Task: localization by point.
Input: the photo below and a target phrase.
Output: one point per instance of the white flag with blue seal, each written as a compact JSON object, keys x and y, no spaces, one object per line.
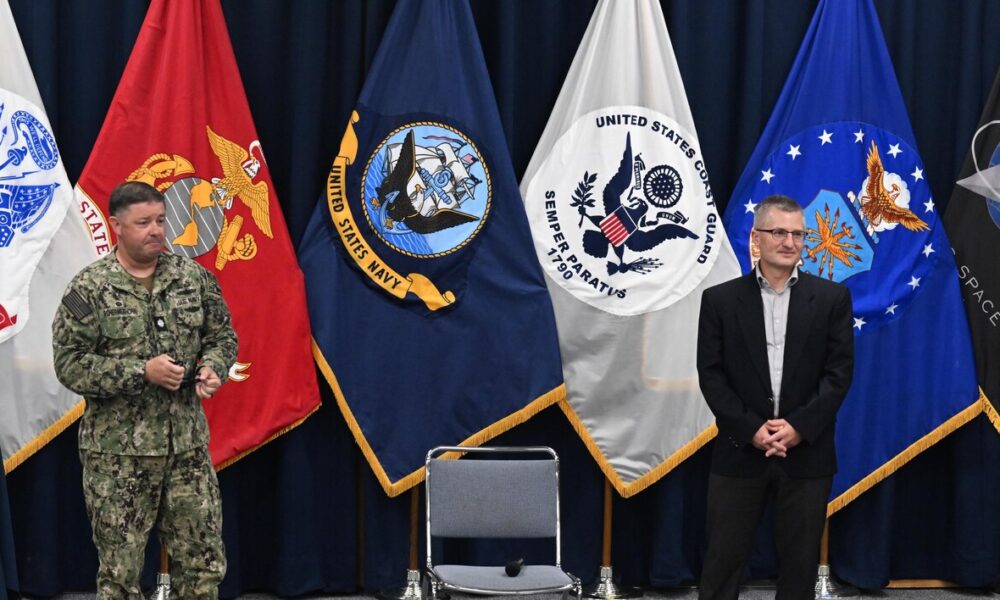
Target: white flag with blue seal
{"x":839,"y":141}
{"x":42,"y":245}
{"x":627,"y":232}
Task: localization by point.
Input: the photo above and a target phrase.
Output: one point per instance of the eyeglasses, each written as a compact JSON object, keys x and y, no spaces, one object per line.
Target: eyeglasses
{"x":780,"y":234}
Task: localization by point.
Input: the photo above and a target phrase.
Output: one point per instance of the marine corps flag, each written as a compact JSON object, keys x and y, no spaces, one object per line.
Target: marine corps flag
{"x":180,"y":121}
{"x":430,"y":318}
{"x":626,"y":229}
{"x":839,"y":141}
{"x":42,"y":245}
{"x":973,"y":224}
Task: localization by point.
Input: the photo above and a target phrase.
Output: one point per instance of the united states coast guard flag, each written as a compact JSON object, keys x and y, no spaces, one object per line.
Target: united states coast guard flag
{"x":839,"y":141}
{"x":42,"y":245}
{"x":430,"y":318}
{"x":627,"y":231}
{"x":180,"y":121}
{"x":973,"y":224}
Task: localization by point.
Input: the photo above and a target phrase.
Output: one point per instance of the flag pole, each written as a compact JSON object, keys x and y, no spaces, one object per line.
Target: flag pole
{"x":826,"y":587}
{"x":605,"y":586}
{"x":162,"y":591}
{"x":413,"y":590}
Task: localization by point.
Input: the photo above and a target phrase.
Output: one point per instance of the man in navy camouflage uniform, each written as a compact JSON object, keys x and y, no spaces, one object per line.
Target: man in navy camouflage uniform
{"x":145,"y":336}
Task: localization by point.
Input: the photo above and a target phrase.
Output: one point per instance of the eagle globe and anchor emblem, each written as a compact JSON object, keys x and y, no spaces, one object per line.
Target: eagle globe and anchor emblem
{"x":196,"y":208}
{"x":197,"y":220}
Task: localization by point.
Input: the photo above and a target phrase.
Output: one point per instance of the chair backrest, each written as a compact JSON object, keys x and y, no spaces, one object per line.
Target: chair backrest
{"x":502,"y":496}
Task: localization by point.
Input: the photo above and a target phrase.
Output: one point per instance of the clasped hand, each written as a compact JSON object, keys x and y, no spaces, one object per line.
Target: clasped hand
{"x":776,"y":437}
{"x":163,"y":371}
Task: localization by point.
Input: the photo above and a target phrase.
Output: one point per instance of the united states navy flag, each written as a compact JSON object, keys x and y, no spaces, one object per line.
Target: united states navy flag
{"x":430,"y":317}
{"x":839,"y":141}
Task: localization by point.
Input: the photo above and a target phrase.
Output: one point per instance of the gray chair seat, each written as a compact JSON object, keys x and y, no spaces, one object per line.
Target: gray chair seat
{"x":532,"y":578}
{"x":509,"y":493}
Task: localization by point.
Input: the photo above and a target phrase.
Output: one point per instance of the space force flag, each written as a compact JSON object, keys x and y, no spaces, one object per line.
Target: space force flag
{"x":973,"y":224}
{"x":42,"y":245}
{"x":628,"y":234}
{"x":180,"y":121}
{"x":430,"y":318}
{"x":839,"y":141}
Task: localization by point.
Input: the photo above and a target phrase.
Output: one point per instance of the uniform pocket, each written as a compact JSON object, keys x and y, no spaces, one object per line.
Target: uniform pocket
{"x":191,"y":317}
{"x":118,"y":328}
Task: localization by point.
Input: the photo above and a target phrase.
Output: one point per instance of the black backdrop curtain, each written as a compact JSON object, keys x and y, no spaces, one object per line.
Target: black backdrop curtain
{"x":304,"y":513}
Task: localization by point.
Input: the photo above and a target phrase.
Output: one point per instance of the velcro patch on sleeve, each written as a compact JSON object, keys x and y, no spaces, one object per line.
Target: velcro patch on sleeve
{"x":76,"y":305}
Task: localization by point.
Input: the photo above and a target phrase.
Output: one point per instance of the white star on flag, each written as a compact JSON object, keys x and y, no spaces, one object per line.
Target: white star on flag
{"x":825,"y":138}
{"x":793,"y":151}
{"x":929,"y":205}
{"x":914,"y":282}
{"x":891,"y":309}
{"x":766,"y":175}
{"x":859,"y":322}
{"x":894,"y":150}
{"x":917,"y":174}
{"x":928,"y":250}
{"x":859,"y":136}
{"x":749,"y":206}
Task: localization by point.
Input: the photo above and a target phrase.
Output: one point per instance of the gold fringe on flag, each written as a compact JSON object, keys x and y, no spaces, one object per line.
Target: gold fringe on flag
{"x":44,"y":437}
{"x":627,"y":490}
{"x":906,"y":455}
{"x":990,"y":411}
{"x":276,"y":435}
{"x":393,"y":489}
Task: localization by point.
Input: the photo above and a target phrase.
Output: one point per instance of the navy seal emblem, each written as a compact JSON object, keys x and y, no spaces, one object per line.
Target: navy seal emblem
{"x":426,"y":190}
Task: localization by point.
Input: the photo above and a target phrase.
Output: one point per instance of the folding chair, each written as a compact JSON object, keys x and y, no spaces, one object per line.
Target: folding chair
{"x":495,"y":498}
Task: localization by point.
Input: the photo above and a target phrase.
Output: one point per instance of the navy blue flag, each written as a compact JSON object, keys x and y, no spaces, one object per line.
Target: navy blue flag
{"x":430,"y":317}
{"x":839,"y":141}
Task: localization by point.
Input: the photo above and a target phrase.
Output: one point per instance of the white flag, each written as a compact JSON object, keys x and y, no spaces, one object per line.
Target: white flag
{"x":628,"y":235}
{"x":42,"y":245}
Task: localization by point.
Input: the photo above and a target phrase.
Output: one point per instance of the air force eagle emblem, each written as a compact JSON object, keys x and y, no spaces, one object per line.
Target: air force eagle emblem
{"x":872,"y":217}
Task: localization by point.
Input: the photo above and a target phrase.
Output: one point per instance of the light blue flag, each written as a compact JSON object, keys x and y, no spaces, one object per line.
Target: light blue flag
{"x":839,"y":141}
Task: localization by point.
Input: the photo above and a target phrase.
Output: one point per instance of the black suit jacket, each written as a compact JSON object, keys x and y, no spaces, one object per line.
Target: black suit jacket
{"x":735,"y":379}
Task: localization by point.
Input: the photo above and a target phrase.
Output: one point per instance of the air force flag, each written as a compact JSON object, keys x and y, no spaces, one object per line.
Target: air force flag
{"x":840,"y":143}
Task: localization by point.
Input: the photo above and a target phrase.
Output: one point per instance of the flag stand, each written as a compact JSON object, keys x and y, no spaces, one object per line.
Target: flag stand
{"x":413,"y":590}
{"x":605,"y":586}
{"x":826,"y":587}
{"x":162,"y":591}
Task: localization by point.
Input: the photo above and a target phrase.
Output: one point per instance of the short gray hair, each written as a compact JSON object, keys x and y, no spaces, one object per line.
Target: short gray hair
{"x":774,"y":202}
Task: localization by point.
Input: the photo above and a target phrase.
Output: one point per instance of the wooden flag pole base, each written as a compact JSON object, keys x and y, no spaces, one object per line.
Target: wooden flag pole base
{"x":605,"y":586}
{"x":826,"y":587}
{"x":414,"y":589}
{"x":162,"y":591}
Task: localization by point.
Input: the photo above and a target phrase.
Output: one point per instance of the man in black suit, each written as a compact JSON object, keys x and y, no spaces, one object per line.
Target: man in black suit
{"x":775,"y":360}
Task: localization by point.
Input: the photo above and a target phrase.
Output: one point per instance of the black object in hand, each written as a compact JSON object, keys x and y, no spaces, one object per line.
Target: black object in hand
{"x":514,"y":567}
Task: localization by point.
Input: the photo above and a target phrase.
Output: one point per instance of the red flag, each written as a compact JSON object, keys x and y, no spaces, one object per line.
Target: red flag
{"x":180,"y":121}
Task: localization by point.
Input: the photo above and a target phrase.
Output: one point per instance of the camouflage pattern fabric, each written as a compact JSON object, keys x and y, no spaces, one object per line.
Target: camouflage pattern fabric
{"x":179,"y":494}
{"x":108,"y":326}
{"x":145,"y":448}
